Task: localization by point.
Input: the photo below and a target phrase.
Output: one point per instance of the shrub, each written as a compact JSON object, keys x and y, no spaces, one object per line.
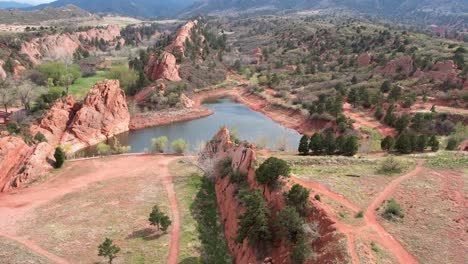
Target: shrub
{"x":390,"y":165}
{"x":393,"y":210}
{"x":103,"y":149}
{"x":290,"y":224}
{"x":271,"y":170}
{"x":39,"y":137}
{"x":403,"y":144}
{"x":159,"y":144}
{"x":300,"y":252}
{"x":13,"y":128}
{"x":350,"y":146}
{"x":434,"y":143}
{"x":179,"y":146}
{"x":59,"y":156}
{"x":298,"y":196}
{"x":359,"y":214}
{"x":317,"y":197}
{"x":387,"y":143}
{"x":452,"y":144}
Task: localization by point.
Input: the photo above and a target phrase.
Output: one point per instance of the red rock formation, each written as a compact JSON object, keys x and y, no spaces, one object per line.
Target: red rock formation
{"x":63,"y":45}
{"x":186,"y":102}
{"x":13,"y":154}
{"x":178,"y":45}
{"x":2,"y":71}
{"x":364,"y":59}
{"x":400,"y":65}
{"x":104,"y":113}
{"x":259,"y":55}
{"x":163,"y":67}
{"x":326,"y":247}
{"x":55,"y":121}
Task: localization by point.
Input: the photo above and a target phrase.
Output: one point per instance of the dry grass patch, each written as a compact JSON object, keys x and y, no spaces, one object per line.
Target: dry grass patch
{"x":14,"y":253}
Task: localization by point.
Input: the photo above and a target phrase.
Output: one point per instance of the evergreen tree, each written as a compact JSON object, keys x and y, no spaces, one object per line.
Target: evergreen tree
{"x":329,"y":143}
{"x":159,"y":219}
{"x":434,"y":143}
{"x":300,"y":252}
{"x":402,"y":123}
{"x":387,"y":143}
{"x":60,"y":157}
{"x":304,"y":145}
{"x":351,"y":146}
{"x":354,"y":80}
{"x":403,"y":144}
{"x":316,"y":143}
{"x":378,"y":113}
{"x":395,"y":93}
{"x":340,"y":142}
{"x":353,"y":97}
{"x":421,"y":143}
{"x":9,"y":66}
{"x":298,"y":197}
{"x":271,"y":170}
{"x":390,"y":116}
{"x":253,"y":223}
{"x":290,"y":224}
{"x":107,"y":249}
{"x":385,"y":87}
{"x":452,"y":144}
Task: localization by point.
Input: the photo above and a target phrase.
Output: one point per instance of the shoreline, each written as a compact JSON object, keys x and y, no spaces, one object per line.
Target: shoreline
{"x":286,"y":117}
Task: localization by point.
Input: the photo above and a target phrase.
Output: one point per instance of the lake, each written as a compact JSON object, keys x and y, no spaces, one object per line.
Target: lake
{"x":241,"y":120}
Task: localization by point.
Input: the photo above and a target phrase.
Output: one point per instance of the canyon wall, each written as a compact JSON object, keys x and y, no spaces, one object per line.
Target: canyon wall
{"x":326,"y":242}
{"x":61,"y":46}
{"x":103,"y":114}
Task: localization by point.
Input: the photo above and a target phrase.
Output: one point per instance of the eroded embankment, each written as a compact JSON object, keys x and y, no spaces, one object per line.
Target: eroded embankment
{"x":324,"y":241}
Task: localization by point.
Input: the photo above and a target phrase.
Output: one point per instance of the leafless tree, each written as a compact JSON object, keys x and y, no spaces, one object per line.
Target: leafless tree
{"x":8,"y":95}
{"x":28,"y":92}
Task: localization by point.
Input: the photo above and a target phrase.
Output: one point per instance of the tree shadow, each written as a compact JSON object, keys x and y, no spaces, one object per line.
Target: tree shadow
{"x":146,"y":234}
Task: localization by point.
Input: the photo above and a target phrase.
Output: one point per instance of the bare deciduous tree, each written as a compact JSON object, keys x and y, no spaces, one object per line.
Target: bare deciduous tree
{"x":28,"y":92}
{"x":8,"y":95}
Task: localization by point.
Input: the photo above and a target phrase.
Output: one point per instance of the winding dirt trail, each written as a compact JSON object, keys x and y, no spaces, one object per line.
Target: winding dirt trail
{"x":16,"y":205}
{"x":352,"y":232}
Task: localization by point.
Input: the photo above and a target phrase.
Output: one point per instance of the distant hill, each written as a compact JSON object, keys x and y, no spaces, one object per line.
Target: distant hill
{"x":392,"y":9}
{"x":137,"y":8}
{"x":17,"y":16}
{"x":12,"y":4}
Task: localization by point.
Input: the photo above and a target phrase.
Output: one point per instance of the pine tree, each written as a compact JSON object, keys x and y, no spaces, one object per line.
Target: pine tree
{"x":378,"y":113}
{"x":353,"y":97}
{"x":60,"y":157}
{"x":290,"y":224}
{"x":316,"y":143}
{"x":304,"y":145}
{"x":107,"y":249}
{"x":421,"y":143}
{"x":402,"y":123}
{"x":403,"y":144}
{"x":351,"y":146}
{"x":387,"y":143}
{"x":298,"y":197}
{"x":434,"y":143}
{"x":271,"y":170}
{"x":329,"y":143}
{"x":253,"y":223}
{"x":390,"y":116}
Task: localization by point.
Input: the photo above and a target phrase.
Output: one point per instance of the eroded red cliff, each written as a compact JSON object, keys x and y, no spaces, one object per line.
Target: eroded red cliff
{"x":326,"y":244}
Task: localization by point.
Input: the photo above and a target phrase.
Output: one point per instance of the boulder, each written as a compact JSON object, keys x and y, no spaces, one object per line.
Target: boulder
{"x":3,"y":74}
{"x":163,"y":67}
{"x":186,"y":102}
{"x":104,"y":114}
{"x":259,"y":55}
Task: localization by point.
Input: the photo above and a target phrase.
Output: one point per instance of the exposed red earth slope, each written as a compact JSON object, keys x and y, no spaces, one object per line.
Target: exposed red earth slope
{"x":326,"y":246}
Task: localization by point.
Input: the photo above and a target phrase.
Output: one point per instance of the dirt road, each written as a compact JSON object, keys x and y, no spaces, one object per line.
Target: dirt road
{"x":370,"y":221}
{"x":16,"y":205}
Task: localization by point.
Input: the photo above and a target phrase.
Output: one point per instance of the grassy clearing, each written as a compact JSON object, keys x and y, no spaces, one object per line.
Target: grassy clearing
{"x":202,"y":238}
{"x":14,"y":253}
{"x":447,"y":160}
{"x":358,"y":180}
{"x":374,"y":139}
{"x":75,"y":224}
{"x":82,"y":85}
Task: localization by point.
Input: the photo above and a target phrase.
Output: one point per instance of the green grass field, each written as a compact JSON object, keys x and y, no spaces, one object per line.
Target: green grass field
{"x":82,"y":85}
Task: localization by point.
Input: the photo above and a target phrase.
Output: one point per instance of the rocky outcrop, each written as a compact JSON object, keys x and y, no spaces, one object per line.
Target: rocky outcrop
{"x":2,"y":71}
{"x":55,"y":122}
{"x":186,"y":102}
{"x":13,"y":154}
{"x":103,"y":114}
{"x":259,"y":55}
{"x":63,"y":45}
{"x":326,"y":245}
{"x":402,"y":65}
{"x":163,"y":67}
{"x":364,"y":59}
{"x":178,"y":45}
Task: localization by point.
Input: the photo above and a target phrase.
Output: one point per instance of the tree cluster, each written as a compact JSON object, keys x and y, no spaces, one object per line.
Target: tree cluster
{"x":328,"y":144}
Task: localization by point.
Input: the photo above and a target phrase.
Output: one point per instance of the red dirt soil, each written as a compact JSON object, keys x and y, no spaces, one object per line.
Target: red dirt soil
{"x":370,"y":219}
{"x":361,"y":121}
{"x":16,"y":205}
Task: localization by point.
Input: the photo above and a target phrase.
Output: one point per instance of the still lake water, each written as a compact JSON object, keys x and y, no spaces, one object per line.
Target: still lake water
{"x":248,"y":124}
